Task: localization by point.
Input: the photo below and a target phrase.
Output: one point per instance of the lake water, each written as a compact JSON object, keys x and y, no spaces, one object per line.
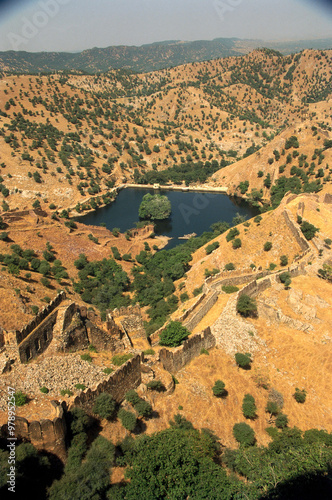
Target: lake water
{"x":192,"y":212}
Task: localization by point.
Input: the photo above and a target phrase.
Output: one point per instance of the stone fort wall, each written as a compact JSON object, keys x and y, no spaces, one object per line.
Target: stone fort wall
{"x":174,"y":360}
{"x":127,"y":377}
{"x":295,"y":231}
{"x":46,"y":434}
{"x":202,"y":311}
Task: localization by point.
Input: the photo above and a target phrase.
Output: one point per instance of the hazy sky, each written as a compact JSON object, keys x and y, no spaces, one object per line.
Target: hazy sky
{"x":74,"y":25}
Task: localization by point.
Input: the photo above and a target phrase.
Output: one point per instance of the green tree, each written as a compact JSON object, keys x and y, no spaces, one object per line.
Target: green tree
{"x":219,"y":388}
{"x":177,"y":464}
{"x":283,"y":260}
{"x":20,"y":398}
{"x":267,"y":246}
{"x":300,"y":395}
{"x":246,"y":306}
{"x":309,"y":230}
{"x":155,"y":207}
{"x":281,"y":421}
{"x":237,"y":243}
{"x":132,"y":397}
{"x":174,"y":334}
{"x":285,"y":278}
{"x":155,"y":385}
{"x":143,"y":408}
{"x":248,"y":406}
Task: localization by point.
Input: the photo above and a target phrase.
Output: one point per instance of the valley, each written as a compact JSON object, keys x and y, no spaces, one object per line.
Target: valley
{"x":85,"y":308}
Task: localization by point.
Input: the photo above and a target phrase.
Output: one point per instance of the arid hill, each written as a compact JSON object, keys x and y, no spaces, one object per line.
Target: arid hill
{"x":68,"y":138}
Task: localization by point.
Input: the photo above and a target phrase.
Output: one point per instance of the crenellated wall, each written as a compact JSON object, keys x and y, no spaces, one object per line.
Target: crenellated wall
{"x":174,"y":360}
{"x":127,"y":377}
{"x":46,"y":434}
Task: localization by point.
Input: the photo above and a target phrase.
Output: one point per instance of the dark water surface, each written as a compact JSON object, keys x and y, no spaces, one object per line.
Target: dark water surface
{"x":192,"y":212}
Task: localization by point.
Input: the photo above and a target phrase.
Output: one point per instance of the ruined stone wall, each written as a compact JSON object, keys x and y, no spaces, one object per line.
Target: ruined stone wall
{"x":203,"y":310}
{"x":26,"y":330}
{"x":192,"y":322}
{"x":127,"y":377}
{"x":49,"y":435}
{"x":73,"y":339}
{"x":103,"y":341}
{"x":174,"y":360}
{"x":38,"y":341}
{"x":126,"y":311}
{"x":296,"y":233}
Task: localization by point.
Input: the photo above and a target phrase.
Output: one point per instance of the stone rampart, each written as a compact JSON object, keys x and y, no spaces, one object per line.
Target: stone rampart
{"x":203,"y":310}
{"x":128,"y":376}
{"x":255,"y":287}
{"x":174,"y":360}
{"x":296,"y":233}
{"x":26,"y":330}
{"x":192,"y":307}
{"x":46,"y":434}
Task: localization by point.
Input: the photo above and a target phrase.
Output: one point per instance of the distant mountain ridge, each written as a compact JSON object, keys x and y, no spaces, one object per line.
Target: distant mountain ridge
{"x":145,"y":58}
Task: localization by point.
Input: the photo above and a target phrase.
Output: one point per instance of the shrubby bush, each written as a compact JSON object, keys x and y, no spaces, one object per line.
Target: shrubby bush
{"x":128,"y":419}
{"x":104,"y":406}
{"x":243,"y":360}
{"x":219,"y":388}
{"x":300,"y":395}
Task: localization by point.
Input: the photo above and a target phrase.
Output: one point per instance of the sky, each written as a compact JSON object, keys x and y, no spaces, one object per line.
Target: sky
{"x":75,"y":25}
